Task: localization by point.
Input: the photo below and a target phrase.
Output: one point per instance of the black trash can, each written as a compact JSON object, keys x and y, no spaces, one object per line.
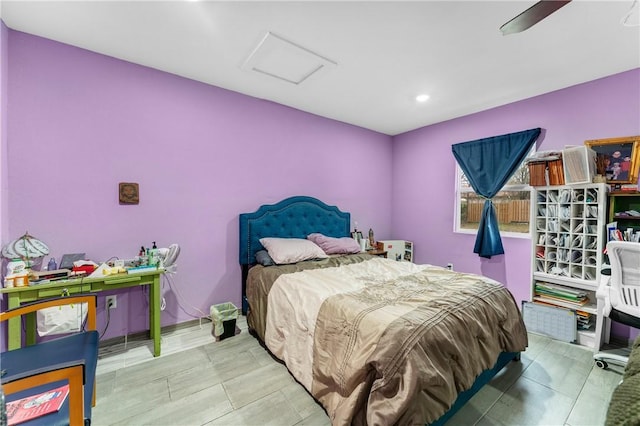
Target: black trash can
{"x":224,"y":317}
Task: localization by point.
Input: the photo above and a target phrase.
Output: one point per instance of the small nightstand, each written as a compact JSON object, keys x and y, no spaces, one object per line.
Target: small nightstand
{"x":376,"y":252}
{"x":397,"y":249}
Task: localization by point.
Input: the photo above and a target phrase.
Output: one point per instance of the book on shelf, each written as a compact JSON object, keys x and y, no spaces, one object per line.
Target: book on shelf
{"x":624,"y":187}
{"x":31,"y":407}
{"x":550,"y":301}
{"x":539,"y":301}
{"x":585,"y":320}
{"x":552,"y":295}
{"x":560,"y":292}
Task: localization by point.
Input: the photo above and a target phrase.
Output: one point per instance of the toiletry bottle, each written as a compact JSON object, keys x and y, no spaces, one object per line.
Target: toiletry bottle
{"x":153,"y":255}
{"x":142,"y":257}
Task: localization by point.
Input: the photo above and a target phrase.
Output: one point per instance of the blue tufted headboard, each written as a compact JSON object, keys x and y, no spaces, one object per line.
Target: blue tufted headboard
{"x":294,"y":217}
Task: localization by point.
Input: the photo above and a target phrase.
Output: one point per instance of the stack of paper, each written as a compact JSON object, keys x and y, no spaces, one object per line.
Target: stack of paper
{"x":551,"y":294}
{"x":585,"y":320}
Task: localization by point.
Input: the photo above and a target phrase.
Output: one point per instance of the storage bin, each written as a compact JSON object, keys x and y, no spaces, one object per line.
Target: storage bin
{"x":538,"y":173}
{"x":545,"y":173}
{"x":224,"y":317}
{"x":579,"y":164}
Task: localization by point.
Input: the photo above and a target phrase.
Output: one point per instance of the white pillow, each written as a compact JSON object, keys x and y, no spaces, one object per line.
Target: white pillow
{"x":291,"y":250}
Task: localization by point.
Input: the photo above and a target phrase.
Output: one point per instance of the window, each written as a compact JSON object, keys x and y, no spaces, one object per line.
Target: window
{"x":511,"y":204}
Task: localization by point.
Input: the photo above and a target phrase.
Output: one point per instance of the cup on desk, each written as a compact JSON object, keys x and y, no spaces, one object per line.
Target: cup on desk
{"x":16,"y":281}
{"x":21,"y":280}
{"x":8,"y":282}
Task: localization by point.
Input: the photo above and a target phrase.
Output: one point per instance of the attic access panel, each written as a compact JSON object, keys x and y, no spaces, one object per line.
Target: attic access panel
{"x":285,"y":60}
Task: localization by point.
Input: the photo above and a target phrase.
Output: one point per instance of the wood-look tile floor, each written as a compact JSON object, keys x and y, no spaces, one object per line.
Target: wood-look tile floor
{"x":198,"y":381}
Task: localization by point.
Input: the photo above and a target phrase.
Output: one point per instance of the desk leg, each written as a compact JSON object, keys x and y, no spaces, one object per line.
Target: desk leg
{"x":154,"y":314}
{"x":14,"y":331}
{"x":31,"y":326}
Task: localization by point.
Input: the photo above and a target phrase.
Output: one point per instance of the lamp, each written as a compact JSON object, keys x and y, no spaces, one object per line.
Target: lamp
{"x":27,"y":248}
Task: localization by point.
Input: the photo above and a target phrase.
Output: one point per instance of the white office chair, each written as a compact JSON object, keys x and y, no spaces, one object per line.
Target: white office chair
{"x":619,"y":294}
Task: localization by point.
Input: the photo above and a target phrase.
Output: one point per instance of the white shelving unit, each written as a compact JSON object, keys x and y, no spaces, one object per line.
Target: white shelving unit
{"x":568,"y":241}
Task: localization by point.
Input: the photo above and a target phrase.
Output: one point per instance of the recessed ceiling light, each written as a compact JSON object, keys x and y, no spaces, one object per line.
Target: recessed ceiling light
{"x":422,"y":98}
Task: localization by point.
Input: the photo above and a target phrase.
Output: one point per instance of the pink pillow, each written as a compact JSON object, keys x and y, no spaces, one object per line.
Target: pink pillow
{"x":330,"y":245}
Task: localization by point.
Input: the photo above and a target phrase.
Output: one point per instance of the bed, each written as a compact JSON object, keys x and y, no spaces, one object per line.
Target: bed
{"x":373,"y":340}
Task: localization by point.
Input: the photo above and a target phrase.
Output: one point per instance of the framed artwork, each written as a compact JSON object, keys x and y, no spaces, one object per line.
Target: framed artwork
{"x":357,"y":235}
{"x":128,"y":193}
{"x":618,"y":159}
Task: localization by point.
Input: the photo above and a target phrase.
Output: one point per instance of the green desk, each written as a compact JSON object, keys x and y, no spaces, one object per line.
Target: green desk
{"x":19,"y":295}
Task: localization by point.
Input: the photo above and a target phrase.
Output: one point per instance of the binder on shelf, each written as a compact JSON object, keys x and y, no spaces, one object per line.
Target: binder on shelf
{"x":550,"y":301}
{"x":560,"y":292}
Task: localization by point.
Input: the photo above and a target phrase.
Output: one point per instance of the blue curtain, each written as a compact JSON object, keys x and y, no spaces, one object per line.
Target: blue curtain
{"x":488,"y":165}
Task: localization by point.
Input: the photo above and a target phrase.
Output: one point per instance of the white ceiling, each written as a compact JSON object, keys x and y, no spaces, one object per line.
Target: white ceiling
{"x":377,"y":55}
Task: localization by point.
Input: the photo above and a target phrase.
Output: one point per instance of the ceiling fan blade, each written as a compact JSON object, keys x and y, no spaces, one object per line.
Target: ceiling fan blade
{"x":532,"y":16}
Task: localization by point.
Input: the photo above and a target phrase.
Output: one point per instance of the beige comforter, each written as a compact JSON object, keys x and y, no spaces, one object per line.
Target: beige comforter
{"x":381,"y":342}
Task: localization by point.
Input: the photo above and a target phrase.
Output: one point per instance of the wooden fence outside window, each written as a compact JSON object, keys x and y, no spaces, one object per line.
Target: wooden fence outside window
{"x":508,"y":211}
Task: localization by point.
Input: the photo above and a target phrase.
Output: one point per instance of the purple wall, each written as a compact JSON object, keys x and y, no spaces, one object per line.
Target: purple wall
{"x":424,"y":178}
{"x":4,"y":184}
{"x":4,"y":54}
{"x":82,"y":122}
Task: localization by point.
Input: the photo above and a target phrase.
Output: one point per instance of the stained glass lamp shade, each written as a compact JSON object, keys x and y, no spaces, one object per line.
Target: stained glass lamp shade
{"x":27,"y":248}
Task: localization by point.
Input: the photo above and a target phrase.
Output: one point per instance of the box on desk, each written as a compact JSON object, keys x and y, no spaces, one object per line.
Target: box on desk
{"x":38,"y":276}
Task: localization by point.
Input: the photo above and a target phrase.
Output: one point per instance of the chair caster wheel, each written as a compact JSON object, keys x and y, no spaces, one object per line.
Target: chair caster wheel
{"x":602,"y":364}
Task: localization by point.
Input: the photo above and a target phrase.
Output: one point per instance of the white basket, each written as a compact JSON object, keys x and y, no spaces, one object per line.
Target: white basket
{"x":579,"y":164}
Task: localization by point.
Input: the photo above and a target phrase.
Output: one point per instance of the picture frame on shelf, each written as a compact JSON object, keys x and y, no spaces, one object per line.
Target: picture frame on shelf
{"x":617,"y":158}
